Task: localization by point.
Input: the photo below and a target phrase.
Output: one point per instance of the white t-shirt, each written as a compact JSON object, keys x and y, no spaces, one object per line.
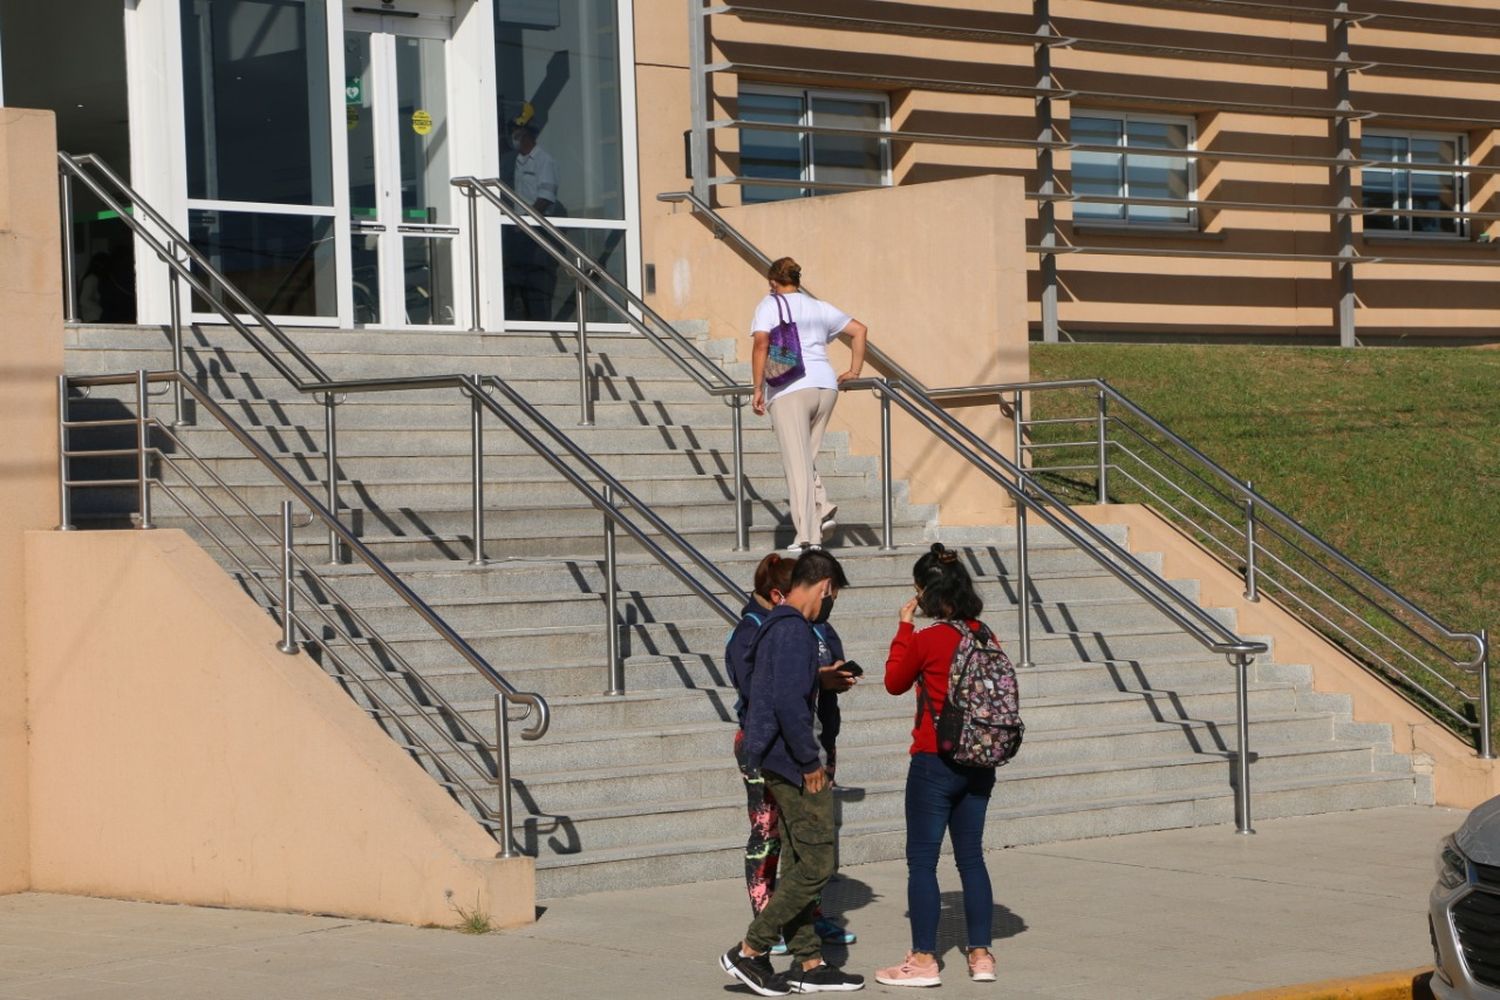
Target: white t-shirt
{"x":817,"y":324}
{"x":536,"y":176}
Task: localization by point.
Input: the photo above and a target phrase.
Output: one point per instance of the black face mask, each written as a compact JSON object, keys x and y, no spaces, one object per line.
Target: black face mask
{"x":824,"y":610}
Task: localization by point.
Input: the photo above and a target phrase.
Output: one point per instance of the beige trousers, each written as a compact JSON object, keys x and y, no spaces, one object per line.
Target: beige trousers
{"x":800,"y":418}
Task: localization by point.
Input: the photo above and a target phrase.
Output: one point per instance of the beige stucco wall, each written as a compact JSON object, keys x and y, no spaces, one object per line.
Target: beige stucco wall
{"x":1460,"y":778}
{"x":31,"y":358}
{"x":176,"y":755}
{"x":937,"y":272}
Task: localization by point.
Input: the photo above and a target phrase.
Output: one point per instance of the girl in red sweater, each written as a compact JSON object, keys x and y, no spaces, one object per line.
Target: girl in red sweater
{"x":940,"y":795}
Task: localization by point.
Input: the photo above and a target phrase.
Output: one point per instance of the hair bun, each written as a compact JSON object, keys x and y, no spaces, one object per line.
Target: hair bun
{"x":944,"y":554}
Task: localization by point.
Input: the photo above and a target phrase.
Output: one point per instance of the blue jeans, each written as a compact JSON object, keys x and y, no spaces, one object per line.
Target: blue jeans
{"x":943,"y":796}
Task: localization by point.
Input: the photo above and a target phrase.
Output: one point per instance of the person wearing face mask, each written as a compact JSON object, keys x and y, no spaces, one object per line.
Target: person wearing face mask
{"x":763,"y":847}
{"x":780,"y":681}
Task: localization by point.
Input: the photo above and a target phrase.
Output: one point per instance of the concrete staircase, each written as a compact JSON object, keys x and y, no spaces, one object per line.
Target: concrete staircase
{"x":1130,"y":723}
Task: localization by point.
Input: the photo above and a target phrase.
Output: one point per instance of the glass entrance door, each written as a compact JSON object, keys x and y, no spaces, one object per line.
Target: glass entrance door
{"x":401,"y":202}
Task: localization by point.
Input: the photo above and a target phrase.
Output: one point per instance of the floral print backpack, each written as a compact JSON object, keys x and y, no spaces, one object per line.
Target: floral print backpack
{"x":980,"y":724}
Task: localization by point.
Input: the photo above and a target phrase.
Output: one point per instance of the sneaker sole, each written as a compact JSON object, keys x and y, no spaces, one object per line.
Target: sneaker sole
{"x":909,"y":982}
{"x":734,"y":971}
{"x":827,"y":989}
{"x":982,"y":977}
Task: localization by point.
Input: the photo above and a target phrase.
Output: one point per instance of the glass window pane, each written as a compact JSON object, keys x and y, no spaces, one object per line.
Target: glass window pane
{"x":79,"y":75}
{"x":776,"y":155}
{"x":1383,"y":147}
{"x":1444,"y":151}
{"x":848,"y":159}
{"x":1158,"y":177}
{"x":1380,"y":190}
{"x":538,"y":288}
{"x":284,"y":263}
{"x":359,"y":115}
{"x":561,"y":59}
{"x":429,"y":280}
{"x":1158,"y":135}
{"x":1434,"y":192}
{"x":1098,"y":174}
{"x":364,"y":267}
{"x":255,"y":83}
{"x":422,"y":130}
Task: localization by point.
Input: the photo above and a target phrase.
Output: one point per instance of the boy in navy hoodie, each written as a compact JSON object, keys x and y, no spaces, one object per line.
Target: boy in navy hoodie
{"x":781,"y":744}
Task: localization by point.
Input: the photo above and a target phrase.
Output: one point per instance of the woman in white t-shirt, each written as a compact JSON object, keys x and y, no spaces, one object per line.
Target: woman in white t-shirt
{"x":800,"y":409}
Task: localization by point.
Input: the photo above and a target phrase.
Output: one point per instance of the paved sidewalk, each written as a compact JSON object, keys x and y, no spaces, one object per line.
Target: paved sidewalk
{"x":1181,"y":914}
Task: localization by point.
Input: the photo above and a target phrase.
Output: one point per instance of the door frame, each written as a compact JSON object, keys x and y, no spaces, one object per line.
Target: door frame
{"x":384,"y":28}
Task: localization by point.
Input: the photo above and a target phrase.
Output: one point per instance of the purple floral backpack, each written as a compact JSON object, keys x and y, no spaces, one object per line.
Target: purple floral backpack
{"x":980,"y":724}
{"x":784,"y":362}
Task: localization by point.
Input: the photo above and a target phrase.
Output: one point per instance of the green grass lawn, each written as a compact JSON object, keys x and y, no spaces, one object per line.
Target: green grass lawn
{"x":1392,"y":455}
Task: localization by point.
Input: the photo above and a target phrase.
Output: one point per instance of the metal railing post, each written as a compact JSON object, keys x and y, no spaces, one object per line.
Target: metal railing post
{"x":476,"y":457}
{"x":1486,"y":749}
{"x":65,"y":208}
{"x":612,"y":601}
{"x":1241,"y":663}
{"x":698,"y":88}
{"x":174,"y":298}
{"x":585,"y":397}
{"x":887,"y":513}
{"x":64,"y":498}
{"x":502,"y":775}
{"x":1252,"y":586}
{"x":1103,"y":447}
{"x":737,"y":425}
{"x":143,"y":447}
{"x":475,"y":326}
{"x":331,"y":455}
{"x":288,"y":643}
{"x":1023,"y":570}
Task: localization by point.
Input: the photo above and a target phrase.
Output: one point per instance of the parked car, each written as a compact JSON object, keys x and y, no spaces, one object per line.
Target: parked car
{"x":1464,"y":910}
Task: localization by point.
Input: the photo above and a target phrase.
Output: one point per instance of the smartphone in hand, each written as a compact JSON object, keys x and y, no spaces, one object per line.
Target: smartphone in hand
{"x":852,"y":668}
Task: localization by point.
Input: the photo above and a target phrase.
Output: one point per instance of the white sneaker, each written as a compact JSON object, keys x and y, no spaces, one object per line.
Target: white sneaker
{"x":796,"y":548}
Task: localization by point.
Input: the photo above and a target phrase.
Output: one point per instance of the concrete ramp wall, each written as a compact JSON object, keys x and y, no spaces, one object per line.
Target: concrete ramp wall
{"x":177,"y":755}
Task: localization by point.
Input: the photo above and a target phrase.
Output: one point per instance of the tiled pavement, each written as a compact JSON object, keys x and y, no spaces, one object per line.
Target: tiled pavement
{"x":1178,"y":914}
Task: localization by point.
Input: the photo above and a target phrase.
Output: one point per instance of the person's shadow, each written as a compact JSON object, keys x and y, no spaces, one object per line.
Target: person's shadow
{"x":953,"y":930}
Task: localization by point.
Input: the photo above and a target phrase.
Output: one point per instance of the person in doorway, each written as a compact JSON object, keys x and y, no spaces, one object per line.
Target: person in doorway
{"x":781,"y":746}
{"x":940,"y":794}
{"x":531,"y":277}
{"x":763,"y":848}
{"x":800,"y":409}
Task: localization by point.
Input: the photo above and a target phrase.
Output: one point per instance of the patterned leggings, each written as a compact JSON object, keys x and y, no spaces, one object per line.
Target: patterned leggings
{"x":763,"y":849}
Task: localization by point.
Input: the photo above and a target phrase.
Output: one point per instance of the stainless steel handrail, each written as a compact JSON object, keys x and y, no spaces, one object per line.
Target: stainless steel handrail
{"x":536,"y":704}
{"x":723,"y":230}
{"x":1264,"y":510}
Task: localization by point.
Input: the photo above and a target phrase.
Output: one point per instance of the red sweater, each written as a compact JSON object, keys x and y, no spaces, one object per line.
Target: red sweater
{"x":927,"y":655}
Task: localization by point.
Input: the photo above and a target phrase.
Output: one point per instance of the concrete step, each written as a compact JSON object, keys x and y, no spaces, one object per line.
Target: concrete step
{"x":580,"y":640}
{"x":680,"y":861}
{"x":569,"y":517}
{"x":459,"y":682}
{"x":618,"y":359}
{"x":871,"y":602}
{"x":395,"y":345}
{"x":629,"y":820}
{"x":879,"y":715}
{"x":1058,"y":568}
{"x":711,"y":740}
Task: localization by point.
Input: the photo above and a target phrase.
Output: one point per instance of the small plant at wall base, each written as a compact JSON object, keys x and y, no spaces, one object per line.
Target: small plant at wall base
{"x":475,"y":921}
{"x":1390,"y":454}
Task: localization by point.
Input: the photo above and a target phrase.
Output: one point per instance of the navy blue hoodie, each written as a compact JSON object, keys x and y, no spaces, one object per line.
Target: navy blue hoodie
{"x":783,"y":692}
{"x":737,"y":651}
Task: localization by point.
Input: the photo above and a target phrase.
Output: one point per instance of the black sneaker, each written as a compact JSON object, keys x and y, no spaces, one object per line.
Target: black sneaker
{"x":822,"y":979}
{"x":755,"y":973}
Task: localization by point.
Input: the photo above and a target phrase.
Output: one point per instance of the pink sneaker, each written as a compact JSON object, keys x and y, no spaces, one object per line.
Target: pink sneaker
{"x":982,"y":967}
{"x":917,"y":970}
